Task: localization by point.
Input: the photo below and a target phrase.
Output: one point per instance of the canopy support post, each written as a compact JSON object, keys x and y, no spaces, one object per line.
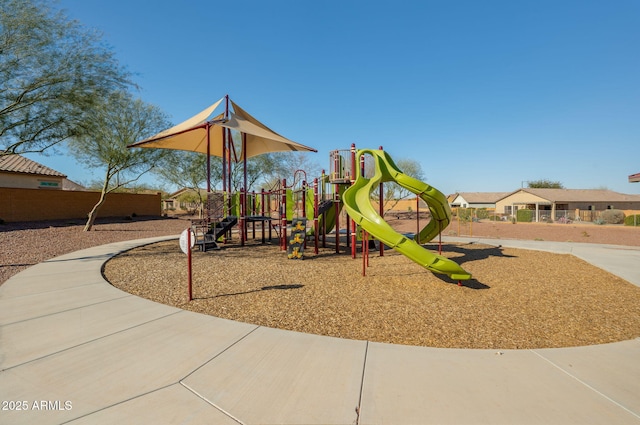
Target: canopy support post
{"x":246,"y":189}
{"x":208,"y":219}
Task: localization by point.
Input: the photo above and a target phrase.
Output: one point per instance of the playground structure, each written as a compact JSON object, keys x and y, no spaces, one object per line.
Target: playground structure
{"x":286,"y":209}
{"x":354,"y":175}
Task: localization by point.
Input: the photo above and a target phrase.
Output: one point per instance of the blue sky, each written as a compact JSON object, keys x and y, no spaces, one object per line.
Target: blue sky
{"x":485,"y":95}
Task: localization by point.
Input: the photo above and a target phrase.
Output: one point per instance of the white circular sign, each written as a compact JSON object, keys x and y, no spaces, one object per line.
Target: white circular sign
{"x":183,"y":240}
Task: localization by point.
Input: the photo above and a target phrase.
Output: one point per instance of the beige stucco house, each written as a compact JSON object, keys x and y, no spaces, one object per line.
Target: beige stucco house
{"x":16,"y":171}
{"x":477,"y":199}
{"x":569,"y":203}
{"x":179,"y":201}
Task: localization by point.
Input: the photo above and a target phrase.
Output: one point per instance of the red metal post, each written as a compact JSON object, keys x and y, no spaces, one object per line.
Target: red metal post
{"x":354,"y":240}
{"x":315,"y":214}
{"x":353,"y":223}
{"x":229,"y":171}
{"x":336,"y":202}
{"x":253,"y":197}
{"x":243,"y":208}
{"x":208,"y":174}
{"x":224,"y":168}
{"x":304,"y":206}
{"x":365,"y":235}
{"x":269,"y":209}
{"x":418,"y":219}
{"x":304,"y":198}
{"x":352,"y":179}
{"x":353,"y":162}
{"x":324,"y":221}
{"x":381,"y":210}
{"x":283,"y":217}
{"x":242,"y":216}
{"x":364,"y":259}
{"x":262,"y":213}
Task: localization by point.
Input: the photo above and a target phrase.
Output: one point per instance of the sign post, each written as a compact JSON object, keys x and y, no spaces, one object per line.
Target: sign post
{"x":187,"y":241}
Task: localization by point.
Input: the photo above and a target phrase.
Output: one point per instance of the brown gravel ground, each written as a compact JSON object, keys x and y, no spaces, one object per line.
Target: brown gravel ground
{"x":24,"y":244}
{"x":517,"y":299}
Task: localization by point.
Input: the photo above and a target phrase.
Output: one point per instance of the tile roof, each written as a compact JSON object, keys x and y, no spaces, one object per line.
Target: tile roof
{"x":483,"y":197}
{"x":581,"y":195}
{"x":19,"y":164}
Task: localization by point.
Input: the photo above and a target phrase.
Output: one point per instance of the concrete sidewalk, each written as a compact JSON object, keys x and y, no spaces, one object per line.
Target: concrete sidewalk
{"x":623,"y":261}
{"x":73,"y":349}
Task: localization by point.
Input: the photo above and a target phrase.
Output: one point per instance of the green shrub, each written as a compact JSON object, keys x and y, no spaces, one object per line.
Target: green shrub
{"x":598,"y":221}
{"x":524,"y":216}
{"x":612,"y":216}
{"x":464,"y":214}
{"x":482,"y":213}
{"x":632,"y":220}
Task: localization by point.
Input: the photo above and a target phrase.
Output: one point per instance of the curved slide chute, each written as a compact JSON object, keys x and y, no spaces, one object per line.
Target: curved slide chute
{"x":357,"y":202}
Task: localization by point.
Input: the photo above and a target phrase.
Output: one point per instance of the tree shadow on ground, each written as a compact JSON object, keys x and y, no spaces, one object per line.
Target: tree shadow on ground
{"x":264,"y":288}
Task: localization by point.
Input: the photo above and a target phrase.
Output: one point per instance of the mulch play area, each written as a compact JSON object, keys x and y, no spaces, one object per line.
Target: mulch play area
{"x":517,"y":299}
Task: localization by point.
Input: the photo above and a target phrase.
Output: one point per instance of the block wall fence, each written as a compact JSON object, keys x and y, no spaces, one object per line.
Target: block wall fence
{"x":39,"y":205}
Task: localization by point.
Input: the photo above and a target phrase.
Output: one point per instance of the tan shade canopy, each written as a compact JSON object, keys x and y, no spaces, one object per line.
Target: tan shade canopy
{"x":191,"y":135}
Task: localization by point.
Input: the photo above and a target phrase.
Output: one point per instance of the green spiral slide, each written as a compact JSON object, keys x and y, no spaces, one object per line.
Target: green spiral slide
{"x":357,"y":202}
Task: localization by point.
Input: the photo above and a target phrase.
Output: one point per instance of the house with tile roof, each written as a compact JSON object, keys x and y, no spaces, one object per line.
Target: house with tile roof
{"x":554,"y":204}
{"x":30,"y":191}
{"x":476,"y":199}
{"x":181,"y":202}
{"x":16,"y":171}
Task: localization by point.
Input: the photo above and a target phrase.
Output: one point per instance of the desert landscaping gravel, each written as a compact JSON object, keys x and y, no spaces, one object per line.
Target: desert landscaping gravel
{"x":25,"y":244}
{"x":516,"y":299}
